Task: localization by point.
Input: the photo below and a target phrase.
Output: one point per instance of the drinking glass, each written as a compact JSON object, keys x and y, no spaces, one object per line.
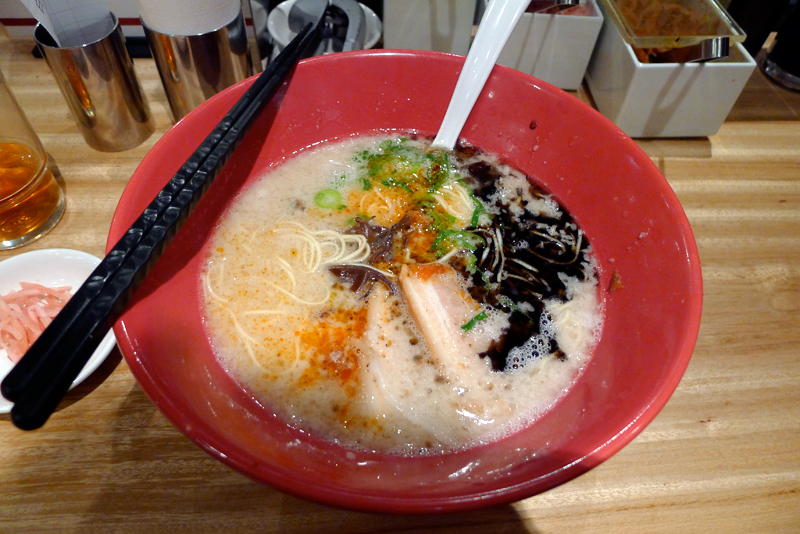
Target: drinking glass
{"x":31,"y":200}
{"x":782,"y":63}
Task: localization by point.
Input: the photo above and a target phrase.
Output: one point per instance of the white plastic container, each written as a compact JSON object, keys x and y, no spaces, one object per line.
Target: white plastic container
{"x":439,"y":25}
{"x":553,"y":48}
{"x":664,"y":99}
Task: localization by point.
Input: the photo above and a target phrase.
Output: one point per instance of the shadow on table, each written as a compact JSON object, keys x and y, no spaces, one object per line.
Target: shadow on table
{"x":93,"y":381}
{"x":156,"y":479}
{"x":675,"y":147}
{"x":763,"y":100}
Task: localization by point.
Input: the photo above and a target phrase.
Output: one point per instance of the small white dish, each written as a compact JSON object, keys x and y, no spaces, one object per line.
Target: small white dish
{"x":52,"y":268}
{"x":278,"y":27}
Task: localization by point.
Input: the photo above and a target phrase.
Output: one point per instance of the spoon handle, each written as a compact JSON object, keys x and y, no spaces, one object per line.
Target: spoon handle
{"x":498,"y":22}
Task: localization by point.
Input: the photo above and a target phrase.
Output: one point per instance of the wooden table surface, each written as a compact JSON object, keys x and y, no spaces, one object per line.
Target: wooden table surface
{"x":723,"y":456}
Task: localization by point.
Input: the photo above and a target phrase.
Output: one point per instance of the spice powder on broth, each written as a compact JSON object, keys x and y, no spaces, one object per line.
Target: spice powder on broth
{"x":392,"y":297}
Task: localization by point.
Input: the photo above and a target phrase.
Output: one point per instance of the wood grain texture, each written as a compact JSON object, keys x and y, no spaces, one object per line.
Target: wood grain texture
{"x":723,"y":456}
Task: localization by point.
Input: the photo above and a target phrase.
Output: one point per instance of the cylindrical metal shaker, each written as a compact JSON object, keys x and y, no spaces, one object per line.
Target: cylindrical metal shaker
{"x":196,"y":67}
{"x":101,"y":89}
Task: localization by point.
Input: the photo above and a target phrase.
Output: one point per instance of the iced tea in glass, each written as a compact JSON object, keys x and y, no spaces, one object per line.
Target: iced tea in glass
{"x":31,"y":200}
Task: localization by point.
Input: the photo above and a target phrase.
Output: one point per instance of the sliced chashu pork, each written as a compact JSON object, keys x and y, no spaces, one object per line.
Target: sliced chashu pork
{"x":392,"y":381}
{"x":446,"y":392}
{"x":440,"y":307}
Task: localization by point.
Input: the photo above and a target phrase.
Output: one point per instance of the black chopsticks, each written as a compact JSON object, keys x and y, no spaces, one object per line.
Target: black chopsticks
{"x":41,"y":379}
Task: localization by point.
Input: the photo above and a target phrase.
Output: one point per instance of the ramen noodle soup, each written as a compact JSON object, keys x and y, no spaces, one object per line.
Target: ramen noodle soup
{"x":392,"y":297}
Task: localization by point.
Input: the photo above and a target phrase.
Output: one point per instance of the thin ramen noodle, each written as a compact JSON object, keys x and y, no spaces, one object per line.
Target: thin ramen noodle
{"x":396,"y":298}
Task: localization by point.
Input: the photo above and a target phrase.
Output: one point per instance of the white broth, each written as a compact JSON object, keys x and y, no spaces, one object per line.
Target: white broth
{"x":401,"y":362}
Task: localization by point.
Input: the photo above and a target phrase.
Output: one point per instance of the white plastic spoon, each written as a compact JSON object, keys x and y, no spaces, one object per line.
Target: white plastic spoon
{"x":498,"y":22}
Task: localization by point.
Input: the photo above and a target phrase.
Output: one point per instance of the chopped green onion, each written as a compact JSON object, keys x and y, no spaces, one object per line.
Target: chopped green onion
{"x":391,"y":182}
{"x":328,"y":199}
{"x":441,"y":220}
{"x":505,"y":301}
{"x":482,"y":316}
{"x":367,"y":184}
{"x":352,"y":220}
{"x":439,"y":170}
{"x":479,"y":208}
{"x":460,"y":238}
{"x":472,"y":263}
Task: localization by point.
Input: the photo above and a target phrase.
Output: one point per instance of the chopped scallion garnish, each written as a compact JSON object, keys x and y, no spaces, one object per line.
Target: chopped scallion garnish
{"x":328,"y":199}
{"x":459,"y":238}
{"x":482,"y":316}
{"x":479,"y":207}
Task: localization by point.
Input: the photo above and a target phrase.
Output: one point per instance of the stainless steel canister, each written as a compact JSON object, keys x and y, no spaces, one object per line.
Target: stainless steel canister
{"x":196,"y":67}
{"x":99,"y":83}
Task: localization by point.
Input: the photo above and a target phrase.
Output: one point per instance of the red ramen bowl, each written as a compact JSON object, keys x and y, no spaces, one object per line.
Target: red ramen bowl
{"x":648,"y":270}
